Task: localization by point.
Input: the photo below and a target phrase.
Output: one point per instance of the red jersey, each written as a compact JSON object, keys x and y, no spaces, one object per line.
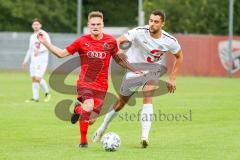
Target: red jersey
{"x":94,"y":58}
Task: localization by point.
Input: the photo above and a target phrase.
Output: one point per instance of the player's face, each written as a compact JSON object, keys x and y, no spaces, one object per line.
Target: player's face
{"x":36,"y":26}
{"x":95,"y":26}
{"x":155,"y":23}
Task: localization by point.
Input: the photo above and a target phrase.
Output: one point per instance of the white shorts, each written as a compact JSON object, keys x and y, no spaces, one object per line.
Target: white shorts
{"x":38,"y":70}
{"x":131,"y":81}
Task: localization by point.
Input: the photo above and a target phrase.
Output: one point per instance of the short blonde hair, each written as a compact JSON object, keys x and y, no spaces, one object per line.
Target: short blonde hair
{"x":95,"y":14}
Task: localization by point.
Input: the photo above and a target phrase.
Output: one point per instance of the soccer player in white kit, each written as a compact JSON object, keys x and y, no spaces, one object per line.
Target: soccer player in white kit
{"x":38,"y":55}
{"x":148,"y":44}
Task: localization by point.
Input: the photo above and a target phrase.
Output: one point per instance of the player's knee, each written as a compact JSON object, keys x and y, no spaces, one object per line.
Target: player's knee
{"x":88,"y":105}
{"x":91,"y":121}
{"x":36,"y":79}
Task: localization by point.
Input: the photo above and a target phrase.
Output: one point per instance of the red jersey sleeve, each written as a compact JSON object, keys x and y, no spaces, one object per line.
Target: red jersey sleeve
{"x":74,"y":47}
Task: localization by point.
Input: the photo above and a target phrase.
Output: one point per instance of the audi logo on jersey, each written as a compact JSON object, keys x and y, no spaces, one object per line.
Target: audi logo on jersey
{"x":95,"y":54}
{"x":155,"y":55}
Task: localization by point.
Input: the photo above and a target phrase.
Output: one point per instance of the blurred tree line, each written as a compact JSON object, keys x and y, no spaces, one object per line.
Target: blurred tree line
{"x":61,"y":15}
{"x":196,"y":16}
{"x":183,"y":16}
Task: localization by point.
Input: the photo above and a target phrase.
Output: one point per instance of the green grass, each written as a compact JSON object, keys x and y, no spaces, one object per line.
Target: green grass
{"x":32,"y":131}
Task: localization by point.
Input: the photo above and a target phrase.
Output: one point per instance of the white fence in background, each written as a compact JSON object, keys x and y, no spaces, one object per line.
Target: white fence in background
{"x":14,"y":45}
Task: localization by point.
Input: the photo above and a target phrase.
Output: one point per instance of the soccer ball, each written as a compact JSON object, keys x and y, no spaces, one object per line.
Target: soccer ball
{"x":110,"y":141}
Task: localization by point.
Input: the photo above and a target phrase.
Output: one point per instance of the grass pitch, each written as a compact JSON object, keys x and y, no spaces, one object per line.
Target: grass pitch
{"x":210,"y":129}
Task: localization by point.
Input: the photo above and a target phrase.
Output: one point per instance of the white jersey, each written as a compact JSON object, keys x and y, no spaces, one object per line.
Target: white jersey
{"x":37,"y":52}
{"x":146,"y":49}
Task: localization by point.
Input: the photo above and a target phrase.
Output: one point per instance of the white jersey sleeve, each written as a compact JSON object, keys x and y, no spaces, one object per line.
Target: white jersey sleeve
{"x":131,"y":34}
{"x":174,"y":47}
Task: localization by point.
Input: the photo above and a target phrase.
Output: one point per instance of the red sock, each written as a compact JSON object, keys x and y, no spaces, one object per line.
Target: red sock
{"x":83,"y":131}
{"x":84,"y":123}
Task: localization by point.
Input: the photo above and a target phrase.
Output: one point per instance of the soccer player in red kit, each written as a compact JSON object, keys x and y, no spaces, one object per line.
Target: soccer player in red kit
{"x":95,"y":50}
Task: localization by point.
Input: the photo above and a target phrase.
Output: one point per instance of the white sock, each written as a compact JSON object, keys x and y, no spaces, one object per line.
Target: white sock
{"x":35,"y":90}
{"x":108,"y":118}
{"x":44,"y":86}
{"x":146,"y":120}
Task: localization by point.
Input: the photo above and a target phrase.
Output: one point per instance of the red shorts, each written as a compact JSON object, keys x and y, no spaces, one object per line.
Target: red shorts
{"x":90,"y":93}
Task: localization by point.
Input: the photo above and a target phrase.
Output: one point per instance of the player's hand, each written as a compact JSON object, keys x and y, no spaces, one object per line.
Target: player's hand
{"x":41,"y":37}
{"x":171,"y":85}
{"x":140,"y":73}
{"x":24,"y":65}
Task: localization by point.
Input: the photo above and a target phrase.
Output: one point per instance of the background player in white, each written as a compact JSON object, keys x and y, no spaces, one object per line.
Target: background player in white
{"x":38,"y":55}
{"x":149,"y":44}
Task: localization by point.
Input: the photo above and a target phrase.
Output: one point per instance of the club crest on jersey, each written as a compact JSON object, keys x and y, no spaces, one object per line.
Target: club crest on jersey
{"x":95,"y":54}
{"x":37,"y":45}
{"x":109,"y":46}
{"x":155,"y":55}
{"x":230,"y":61}
{"x":105,"y":46}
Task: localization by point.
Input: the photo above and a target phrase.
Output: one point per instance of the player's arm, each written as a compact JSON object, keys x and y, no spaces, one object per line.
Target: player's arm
{"x":120,"y":58}
{"x":171,"y":84}
{"x":27,"y":56}
{"x":60,"y":53}
{"x":26,"y":59}
{"x":120,"y":42}
{"x":42,"y":47}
